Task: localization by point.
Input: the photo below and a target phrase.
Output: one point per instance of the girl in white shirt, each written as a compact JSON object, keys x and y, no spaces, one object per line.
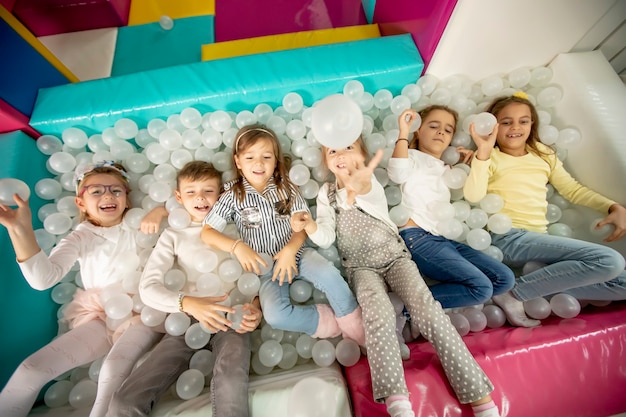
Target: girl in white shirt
{"x":102,"y":244}
{"x":353,"y":210}
{"x":464,"y":276}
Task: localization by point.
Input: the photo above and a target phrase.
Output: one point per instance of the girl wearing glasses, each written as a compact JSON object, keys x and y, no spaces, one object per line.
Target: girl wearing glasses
{"x":102,"y":244}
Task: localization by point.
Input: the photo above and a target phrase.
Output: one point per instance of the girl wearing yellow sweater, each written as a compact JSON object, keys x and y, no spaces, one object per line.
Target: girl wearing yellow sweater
{"x":513,"y":163}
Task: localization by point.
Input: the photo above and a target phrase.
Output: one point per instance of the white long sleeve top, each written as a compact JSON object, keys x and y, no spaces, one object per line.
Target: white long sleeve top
{"x":100,"y":251}
{"x":420,"y":177}
{"x":175,"y":249}
{"x":373,"y":203}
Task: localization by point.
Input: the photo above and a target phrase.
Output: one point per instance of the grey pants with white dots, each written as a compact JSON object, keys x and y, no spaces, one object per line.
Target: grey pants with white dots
{"x":376,"y":260}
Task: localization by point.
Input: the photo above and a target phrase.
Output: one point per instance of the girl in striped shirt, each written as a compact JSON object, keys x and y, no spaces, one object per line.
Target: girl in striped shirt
{"x":260,"y":202}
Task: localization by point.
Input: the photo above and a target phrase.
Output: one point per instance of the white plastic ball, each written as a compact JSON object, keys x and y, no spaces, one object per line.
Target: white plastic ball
{"x":126,"y":128}
{"x":74,"y":137}
{"x":190,"y":384}
{"x":336,"y":121}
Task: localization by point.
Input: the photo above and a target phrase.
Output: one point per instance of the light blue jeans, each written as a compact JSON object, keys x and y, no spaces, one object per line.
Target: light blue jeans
{"x":281,"y":313}
{"x":585,"y":270}
{"x":466,"y":276}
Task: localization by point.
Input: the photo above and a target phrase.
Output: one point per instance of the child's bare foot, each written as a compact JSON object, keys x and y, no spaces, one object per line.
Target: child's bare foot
{"x":514,"y":310}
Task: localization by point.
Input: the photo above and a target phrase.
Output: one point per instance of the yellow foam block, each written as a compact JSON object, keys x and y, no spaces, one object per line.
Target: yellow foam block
{"x":149,"y":11}
{"x":287,"y":41}
{"x":21,"y":30}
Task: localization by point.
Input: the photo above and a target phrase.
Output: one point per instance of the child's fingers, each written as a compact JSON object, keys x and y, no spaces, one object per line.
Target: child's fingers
{"x":378,"y":156}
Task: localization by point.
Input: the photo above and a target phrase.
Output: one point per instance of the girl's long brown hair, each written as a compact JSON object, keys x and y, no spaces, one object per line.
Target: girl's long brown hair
{"x":533,"y":138}
{"x":250,"y":135}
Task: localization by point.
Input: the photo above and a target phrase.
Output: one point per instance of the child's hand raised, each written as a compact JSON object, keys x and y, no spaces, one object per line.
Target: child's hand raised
{"x":358,"y":180}
{"x":19,"y":218}
{"x":484,"y":143}
{"x":405,"y":120}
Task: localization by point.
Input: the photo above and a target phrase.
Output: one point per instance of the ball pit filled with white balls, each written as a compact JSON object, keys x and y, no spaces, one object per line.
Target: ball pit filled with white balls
{"x":154,"y":153}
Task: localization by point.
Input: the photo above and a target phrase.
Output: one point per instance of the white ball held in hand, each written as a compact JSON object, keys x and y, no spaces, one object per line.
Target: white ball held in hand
{"x":484,"y":123}
{"x":10,"y":187}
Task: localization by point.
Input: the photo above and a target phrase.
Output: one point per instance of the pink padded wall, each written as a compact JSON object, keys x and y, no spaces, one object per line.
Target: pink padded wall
{"x":11,"y":120}
{"x":424,"y":19}
{"x":241,"y":19}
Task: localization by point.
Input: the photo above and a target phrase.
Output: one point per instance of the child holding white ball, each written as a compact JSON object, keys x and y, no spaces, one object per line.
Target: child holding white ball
{"x":353,"y":210}
{"x":261,"y":201}
{"x":101,"y":243}
{"x":513,"y":163}
{"x":198,"y":187}
{"x":465,"y":276}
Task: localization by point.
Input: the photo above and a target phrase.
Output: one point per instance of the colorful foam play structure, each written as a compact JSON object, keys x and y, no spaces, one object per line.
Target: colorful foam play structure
{"x":566,"y":367}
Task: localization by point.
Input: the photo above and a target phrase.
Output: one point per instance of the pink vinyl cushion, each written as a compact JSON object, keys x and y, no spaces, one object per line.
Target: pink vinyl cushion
{"x":565,"y":367}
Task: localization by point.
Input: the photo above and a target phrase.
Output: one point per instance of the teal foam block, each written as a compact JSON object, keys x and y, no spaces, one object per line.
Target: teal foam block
{"x":146,"y":47}
{"x":28,"y":317}
{"x":232,"y":84}
{"x":368,"y":7}
{"x":23,"y":71}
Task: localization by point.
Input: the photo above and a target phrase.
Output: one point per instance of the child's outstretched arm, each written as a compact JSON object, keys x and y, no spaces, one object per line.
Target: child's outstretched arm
{"x":616,"y":217}
{"x":247,"y":256}
{"x":19,"y":225}
{"x":475,"y":187}
{"x":401,"y":150}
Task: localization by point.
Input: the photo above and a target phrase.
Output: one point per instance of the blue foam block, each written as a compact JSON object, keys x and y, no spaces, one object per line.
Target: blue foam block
{"x":146,"y":47}
{"x":23,"y":71}
{"x":232,"y":84}
{"x":28,"y":316}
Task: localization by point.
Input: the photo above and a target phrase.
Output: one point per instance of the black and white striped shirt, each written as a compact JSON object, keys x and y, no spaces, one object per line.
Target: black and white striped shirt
{"x":274,"y":231}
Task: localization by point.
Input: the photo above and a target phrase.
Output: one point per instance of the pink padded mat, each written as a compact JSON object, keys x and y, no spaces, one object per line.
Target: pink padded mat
{"x":564,"y":368}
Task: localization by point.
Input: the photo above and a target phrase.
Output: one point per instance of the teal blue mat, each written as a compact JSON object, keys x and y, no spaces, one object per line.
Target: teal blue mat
{"x":147,"y":47}
{"x":28,"y":316}
{"x":233,"y":84}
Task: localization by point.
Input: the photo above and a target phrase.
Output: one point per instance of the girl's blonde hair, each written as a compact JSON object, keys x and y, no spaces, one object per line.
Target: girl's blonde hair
{"x":425,"y":112}
{"x":248,"y":136}
{"x":111,"y":168}
{"x":533,"y":140}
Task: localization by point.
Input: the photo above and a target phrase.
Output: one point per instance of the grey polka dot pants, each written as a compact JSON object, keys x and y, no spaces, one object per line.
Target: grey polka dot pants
{"x":376,"y":261}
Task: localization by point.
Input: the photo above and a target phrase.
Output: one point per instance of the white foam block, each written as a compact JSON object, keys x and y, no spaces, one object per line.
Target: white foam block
{"x":594,"y":101}
{"x":87,"y":54}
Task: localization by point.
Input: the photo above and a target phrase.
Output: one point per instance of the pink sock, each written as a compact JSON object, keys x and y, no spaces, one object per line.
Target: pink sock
{"x":486,"y":410}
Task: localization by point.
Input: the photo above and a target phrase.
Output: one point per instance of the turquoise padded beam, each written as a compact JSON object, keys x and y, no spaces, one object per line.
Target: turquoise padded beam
{"x":232,"y":84}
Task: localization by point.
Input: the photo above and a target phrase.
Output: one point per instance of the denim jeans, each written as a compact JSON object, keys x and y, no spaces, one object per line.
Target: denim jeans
{"x":585,"y":270}
{"x":229,"y":387}
{"x":466,"y":276}
{"x":281,"y":313}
